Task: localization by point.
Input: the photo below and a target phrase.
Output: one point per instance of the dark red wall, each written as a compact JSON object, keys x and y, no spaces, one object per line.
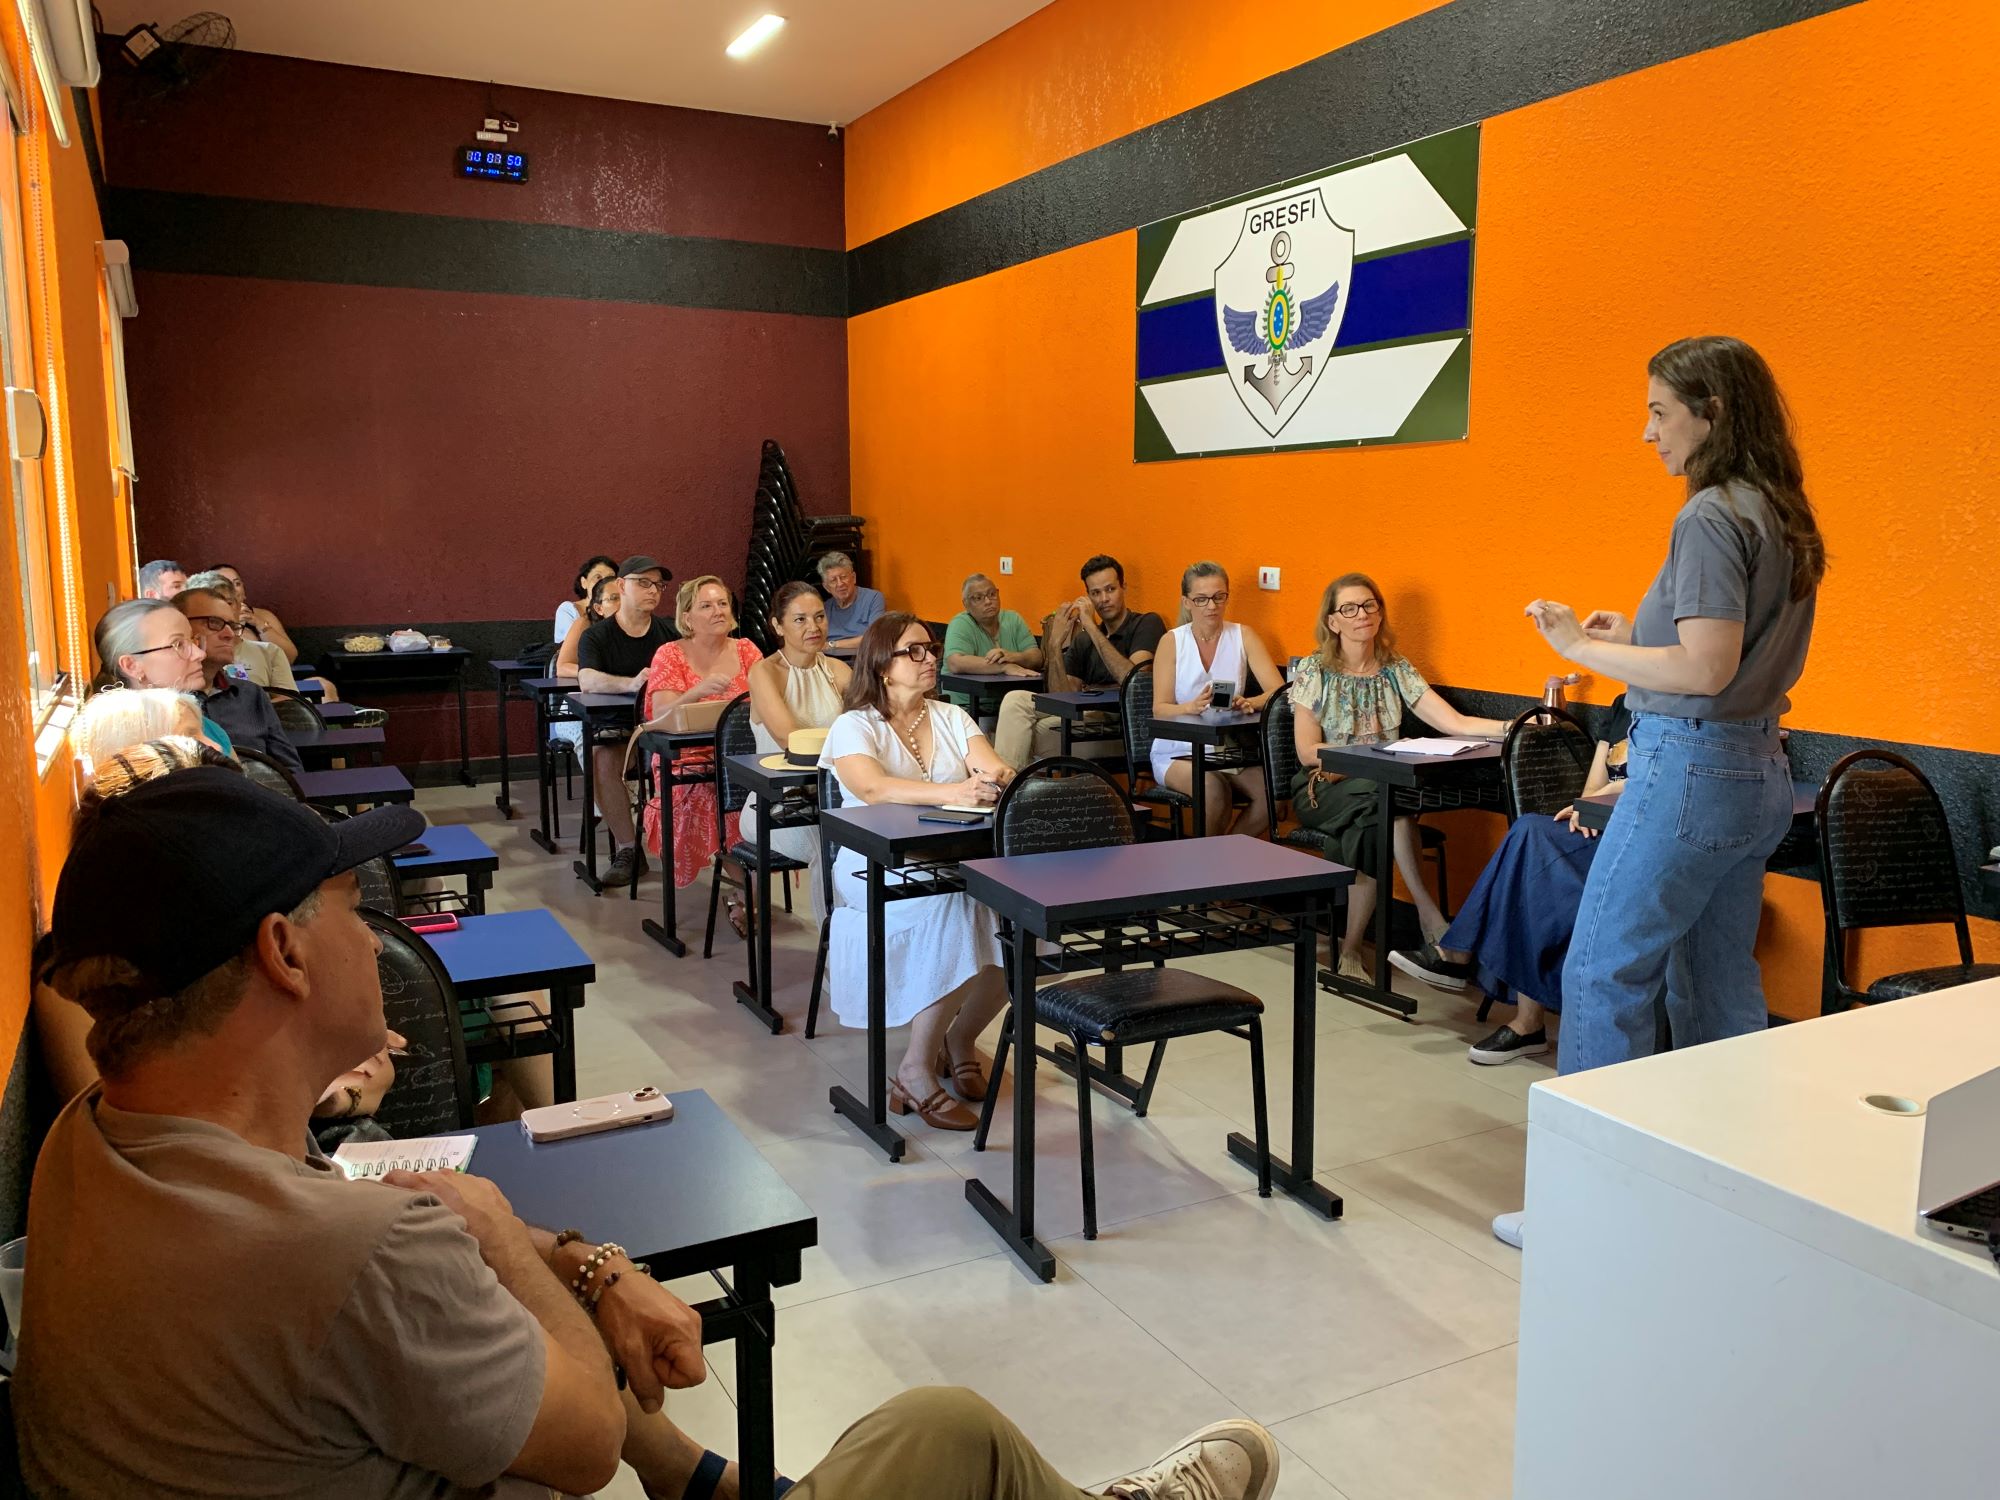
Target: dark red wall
{"x":381,"y":454}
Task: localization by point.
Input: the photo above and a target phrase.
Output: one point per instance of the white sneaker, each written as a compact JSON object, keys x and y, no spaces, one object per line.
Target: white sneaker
{"x":1230,"y":1461}
{"x":1507,"y":1227}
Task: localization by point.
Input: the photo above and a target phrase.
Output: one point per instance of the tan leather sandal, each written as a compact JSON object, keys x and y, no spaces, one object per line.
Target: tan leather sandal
{"x":967,"y":1079}
{"x":940,"y":1111}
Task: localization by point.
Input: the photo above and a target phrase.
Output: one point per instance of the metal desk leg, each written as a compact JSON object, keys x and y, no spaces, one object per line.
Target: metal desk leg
{"x":1296,"y":1176}
{"x":505,"y":801}
{"x":756,"y":1421}
{"x":477,"y":883}
{"x":873,"y":1117}
{"x":545,"y":787}
{"x":1385,"y":880}
{"x":1068,"y":735}
{"x":464,"y":762}
{"x":758,"y":1000}
{"x":1016,"y":1225}
{"x":586,"y":868}
{"x":563,"y":1005}
{"x":666,"y":931}
{"x":1200,"y":789}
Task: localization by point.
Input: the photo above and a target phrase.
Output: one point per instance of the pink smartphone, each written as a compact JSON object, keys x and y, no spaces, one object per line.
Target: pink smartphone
{"x":558,"y":1122}
{"x":443,"y":921}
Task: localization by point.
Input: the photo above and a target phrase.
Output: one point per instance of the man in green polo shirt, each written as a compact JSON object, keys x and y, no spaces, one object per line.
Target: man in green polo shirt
{"x":983,"y":637}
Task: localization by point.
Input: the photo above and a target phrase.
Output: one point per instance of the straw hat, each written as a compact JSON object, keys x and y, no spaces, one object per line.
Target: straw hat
{"x":801,"y":752}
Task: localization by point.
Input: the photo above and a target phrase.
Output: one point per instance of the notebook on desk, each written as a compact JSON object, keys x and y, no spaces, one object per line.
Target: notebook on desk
{"x":438,"y":1153}
{"x":1433,"y":747}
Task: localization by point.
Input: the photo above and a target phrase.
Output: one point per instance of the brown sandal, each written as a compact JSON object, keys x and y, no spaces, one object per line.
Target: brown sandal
{"x":739,"y":913}
{"x":967,"y":1078}
{"x":940,"y":1111}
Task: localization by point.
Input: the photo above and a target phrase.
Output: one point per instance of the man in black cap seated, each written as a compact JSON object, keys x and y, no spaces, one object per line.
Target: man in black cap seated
{"x":613,"y":656}
{"x":213,"y":1309}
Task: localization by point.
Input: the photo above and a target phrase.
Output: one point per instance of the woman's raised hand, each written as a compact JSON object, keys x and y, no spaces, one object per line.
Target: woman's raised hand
{"x":1608,"y":625}
{"x":1558,"y":624}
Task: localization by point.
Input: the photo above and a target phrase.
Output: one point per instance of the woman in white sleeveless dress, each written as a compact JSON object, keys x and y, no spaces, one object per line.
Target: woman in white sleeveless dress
{"x":1192,"y":658}
{"x":797,"y":686}
{"x":899,"y":744}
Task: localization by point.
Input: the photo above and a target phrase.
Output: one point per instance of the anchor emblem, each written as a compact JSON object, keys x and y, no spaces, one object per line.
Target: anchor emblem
{"x":1290,"y":334}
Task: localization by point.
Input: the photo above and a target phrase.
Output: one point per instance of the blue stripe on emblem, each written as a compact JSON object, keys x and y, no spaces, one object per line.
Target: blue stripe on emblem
{"x":1394,"y":297}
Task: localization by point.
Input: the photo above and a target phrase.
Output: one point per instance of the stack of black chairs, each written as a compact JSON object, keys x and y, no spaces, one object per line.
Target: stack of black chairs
{"x":785,"y":542}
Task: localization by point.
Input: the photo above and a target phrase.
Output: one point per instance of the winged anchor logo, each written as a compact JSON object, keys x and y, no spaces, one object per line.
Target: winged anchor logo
{"x":1279,"y":298}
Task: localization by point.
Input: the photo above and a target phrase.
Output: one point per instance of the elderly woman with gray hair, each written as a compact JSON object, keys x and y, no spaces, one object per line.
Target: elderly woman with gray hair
{"x":147,"y":643}
{"x":850,"y":608}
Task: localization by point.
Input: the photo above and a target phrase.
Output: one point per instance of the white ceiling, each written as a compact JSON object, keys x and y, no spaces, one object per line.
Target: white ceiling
{"x":834,"y":60}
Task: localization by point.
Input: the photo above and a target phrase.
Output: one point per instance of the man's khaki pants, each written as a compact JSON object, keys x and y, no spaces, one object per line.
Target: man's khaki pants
{"x":1021,"y":735}
{"x":935,"y":1443}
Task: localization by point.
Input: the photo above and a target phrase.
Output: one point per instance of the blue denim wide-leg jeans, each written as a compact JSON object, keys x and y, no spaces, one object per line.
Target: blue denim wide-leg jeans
{"x":1675,"y":893}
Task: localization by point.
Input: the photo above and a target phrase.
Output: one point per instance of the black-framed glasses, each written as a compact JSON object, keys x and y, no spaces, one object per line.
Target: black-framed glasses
{"x":1205,"y":601}
{"x":216,"y":624}
{"x":1356,"y":611}
{"x":185,"y":645}
{"x":920,"y":652}
{"x":644,"y":581}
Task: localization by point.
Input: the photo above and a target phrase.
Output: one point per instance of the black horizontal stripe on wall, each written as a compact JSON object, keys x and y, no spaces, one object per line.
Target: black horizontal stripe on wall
{"x":1468,"y":60}
{"x":217,"y":236}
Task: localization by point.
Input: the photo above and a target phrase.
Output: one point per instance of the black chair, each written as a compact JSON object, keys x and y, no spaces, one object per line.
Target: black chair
{"x":1063,"y":803}
{"x":266,"y":772}
{"x":1281,"y":764}
{"x":1886,"y":860}
{"x":295,"y":712}
{"x":434,"y":1087}
{"x":1544,"y":761}
{"x":734,"y":736}
{"x":1135,"y":717}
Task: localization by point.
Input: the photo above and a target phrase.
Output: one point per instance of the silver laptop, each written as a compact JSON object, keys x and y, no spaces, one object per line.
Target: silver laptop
{"x":1958,"y":1191}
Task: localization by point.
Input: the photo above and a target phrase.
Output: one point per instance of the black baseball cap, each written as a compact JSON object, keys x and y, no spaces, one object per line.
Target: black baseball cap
{"x":224,"y":853}
{"x":644,"y":564}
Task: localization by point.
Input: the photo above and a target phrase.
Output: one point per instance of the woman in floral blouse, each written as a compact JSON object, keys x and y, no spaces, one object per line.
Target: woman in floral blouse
{"x":1357,"y":690}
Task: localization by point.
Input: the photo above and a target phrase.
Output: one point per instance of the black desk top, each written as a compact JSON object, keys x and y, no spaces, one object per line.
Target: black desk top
{"x":509,"y":667}
{"x":357,"y":784}
{"x":453,"y":656}
{"x":1209,"y":727}
{"x":338,"y":715}
{"x":673,"y":741}
{"x":687,"y":1195}
{"x":510,"y":952}
{"x":1595,"y":811}
{"x":1044,"y":891}
{"x":549,"y":685}
{"x":890,"y":834}
{"x":604,"y":703}
{"x":1377,"y":764}
{"x":1074,"y":705}
{"x":335,"y":737}
{"x":767,"y":783}
{"x":985,"y":683}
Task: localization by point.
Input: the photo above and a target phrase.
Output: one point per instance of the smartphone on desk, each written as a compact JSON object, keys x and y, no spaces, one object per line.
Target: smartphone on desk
{"x":411,"y":851}
{"x":951,"y":815}
{"x":438,"y":921}
{"x":558,"y":1122}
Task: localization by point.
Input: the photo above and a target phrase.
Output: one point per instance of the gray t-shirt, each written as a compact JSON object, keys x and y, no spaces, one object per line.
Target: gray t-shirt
{"x":1728,"y":561}
{"x":205,"y":1317}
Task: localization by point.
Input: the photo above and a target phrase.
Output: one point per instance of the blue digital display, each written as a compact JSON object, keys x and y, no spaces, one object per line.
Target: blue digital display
{"x":491,"y":164}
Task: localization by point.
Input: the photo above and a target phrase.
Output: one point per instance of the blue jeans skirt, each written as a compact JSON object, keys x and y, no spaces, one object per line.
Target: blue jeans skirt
{"x":1517,"y":921}
{"x":1675,"y":892}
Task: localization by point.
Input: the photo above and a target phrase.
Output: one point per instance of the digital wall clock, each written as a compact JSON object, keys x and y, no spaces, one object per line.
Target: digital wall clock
{"x":491,"y":163}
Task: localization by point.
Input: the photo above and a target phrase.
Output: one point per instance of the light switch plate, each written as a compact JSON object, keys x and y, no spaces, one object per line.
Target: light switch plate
{"x":1267,"y":578}
{"x":1006,"y":565}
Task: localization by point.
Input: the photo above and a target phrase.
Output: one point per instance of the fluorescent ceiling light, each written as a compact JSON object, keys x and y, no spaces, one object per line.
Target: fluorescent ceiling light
{"x":759,"y":32}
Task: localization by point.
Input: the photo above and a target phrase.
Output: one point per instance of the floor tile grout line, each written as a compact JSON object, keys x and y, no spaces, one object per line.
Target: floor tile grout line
{"x":1389,"y":1385}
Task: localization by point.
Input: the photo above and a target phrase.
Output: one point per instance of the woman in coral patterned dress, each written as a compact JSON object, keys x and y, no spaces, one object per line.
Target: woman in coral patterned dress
{"x":705,"y":665}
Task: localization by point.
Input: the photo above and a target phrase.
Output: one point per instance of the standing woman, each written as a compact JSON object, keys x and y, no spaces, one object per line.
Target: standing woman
{"x":1719,"y":640}
{"x":797,"y":687}
{"x":707,"y":663}
{"x":1192,"y":658}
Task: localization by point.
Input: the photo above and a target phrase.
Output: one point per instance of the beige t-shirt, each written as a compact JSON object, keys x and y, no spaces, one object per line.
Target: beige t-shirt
{"x":265,"y":664}
{"x":204,"y":1317}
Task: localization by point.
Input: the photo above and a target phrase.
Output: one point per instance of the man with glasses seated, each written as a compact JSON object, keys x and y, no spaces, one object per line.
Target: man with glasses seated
{"x":147,"y":643}
{"x":614,"y":656}
{"x":983,"y":637}
{"x":256,"y":659}
{"x":1092,"y":642}
{"x":240,"y":707}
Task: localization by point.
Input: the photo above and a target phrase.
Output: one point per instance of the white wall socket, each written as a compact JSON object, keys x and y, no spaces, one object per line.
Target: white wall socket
{"x":1267,"y":578}
{"x":1006,"y":565}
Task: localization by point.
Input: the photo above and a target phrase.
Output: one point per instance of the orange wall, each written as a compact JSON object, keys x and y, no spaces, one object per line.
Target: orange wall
{"x":1816,"y":190}
{"x":65,"y":327}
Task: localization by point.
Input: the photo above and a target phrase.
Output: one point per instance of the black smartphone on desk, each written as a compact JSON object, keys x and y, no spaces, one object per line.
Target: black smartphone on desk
{"x":946,"y":815}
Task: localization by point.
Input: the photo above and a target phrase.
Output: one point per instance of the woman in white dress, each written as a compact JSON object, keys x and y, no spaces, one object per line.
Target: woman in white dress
{"x":897,"y":742}
{"x":1192,"y":658}
{"x":798,"y":686}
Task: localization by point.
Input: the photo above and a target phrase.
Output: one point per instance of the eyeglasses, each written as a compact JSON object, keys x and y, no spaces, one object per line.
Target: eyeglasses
{"x":641,"y":581}
{"x":1356,"y":611}
{"x":920,"y":652}
{"x":1208,"y":601}
{"x":215,"y":624}
{"x":991,"y":596}
{"x":180,"y":643}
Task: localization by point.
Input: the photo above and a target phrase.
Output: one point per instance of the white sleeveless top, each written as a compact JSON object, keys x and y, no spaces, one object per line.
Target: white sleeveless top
{"x":809,"y":694}
{"x":1190,"y":677}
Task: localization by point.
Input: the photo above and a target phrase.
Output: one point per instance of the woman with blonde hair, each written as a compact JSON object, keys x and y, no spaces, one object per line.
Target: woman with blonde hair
{"x":1206,"y":650}
{"x":1357,"y":689}
{"x":706,"y":664}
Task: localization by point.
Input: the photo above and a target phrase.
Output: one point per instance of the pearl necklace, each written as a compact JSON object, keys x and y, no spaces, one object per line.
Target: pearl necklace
{"x":909,"y":737}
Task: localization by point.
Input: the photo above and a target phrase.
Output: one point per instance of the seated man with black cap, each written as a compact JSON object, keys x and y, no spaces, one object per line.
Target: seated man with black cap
{"x":614,"y":656}
{"x":212,"y":1308}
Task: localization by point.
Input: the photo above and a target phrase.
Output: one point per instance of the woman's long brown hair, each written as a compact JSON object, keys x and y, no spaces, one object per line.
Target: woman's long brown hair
{"x":1750,"y":439}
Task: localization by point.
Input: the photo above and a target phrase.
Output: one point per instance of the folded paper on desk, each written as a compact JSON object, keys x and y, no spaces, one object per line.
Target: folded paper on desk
{"x":1433,"y":746}
{"x":438,"y":1153}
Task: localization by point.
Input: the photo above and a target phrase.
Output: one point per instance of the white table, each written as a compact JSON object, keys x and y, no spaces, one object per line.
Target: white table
{"x":1725,"y":1291}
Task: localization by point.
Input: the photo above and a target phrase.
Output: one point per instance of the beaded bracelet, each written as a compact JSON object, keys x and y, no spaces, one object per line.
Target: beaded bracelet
{"x":568,"y":1237}
{"x":591,"y":1267}
{"x":603,"y":1286}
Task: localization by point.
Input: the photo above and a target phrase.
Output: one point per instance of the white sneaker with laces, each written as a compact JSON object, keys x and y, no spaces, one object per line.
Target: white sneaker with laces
{"x":1235,"y":1460}
{"x":1507,"y":1227}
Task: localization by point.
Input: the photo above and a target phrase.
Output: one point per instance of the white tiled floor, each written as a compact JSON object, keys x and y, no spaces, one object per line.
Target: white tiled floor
{"x":1379,"y":1348}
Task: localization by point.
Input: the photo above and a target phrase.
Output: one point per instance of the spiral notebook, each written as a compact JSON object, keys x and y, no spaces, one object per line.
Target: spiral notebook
{"x":438,"y":1153}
